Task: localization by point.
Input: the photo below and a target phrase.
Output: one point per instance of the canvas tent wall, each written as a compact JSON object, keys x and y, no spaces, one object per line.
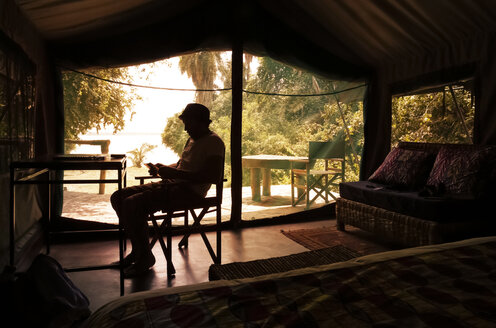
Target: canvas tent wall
{"x":386,"y":42}
{"x":390,"y":44}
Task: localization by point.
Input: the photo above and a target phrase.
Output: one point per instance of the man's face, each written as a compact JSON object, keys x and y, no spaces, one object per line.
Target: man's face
{"x":193,"y":127}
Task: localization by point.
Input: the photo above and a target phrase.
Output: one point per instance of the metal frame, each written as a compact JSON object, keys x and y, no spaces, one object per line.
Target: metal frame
{"x":206,"y":205}
{"x":47,"y":167}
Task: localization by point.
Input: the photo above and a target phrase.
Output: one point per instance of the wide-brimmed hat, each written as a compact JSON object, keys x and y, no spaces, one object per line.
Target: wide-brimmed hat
{"x":197,"y":112}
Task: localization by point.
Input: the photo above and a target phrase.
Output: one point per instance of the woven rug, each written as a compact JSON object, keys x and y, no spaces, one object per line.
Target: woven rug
{"x":359,"y":240}
{"x":238,"y":270}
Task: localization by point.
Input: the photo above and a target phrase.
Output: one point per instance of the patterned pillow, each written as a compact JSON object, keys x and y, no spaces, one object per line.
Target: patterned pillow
{"x":462,"y":171}
{"x":404,"y":168}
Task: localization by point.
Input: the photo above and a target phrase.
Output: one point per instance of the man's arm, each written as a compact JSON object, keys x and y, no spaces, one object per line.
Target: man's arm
{"x":153,"y":169}
{"x":209,"y":174}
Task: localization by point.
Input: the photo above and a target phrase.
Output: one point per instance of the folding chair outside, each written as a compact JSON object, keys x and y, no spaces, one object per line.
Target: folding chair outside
{"x":331,"y":155}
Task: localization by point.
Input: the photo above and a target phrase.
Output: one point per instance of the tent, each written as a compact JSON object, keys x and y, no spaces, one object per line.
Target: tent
{"x":396,"y":46}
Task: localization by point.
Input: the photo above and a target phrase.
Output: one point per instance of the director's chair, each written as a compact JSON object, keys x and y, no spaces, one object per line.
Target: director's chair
{"x":318,"y":179}
{"x":185,"y":209}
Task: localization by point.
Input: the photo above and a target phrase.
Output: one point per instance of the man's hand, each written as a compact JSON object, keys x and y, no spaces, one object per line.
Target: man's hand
{"x":153,"y":168}
{"x":167,"y":172}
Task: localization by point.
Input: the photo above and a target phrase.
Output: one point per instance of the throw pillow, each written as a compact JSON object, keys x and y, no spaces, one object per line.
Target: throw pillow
{"x":404,"y":168}
{"x":462,"y":171}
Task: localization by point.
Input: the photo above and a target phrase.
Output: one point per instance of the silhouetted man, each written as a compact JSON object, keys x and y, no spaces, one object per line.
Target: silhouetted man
{"x":200,"y":164}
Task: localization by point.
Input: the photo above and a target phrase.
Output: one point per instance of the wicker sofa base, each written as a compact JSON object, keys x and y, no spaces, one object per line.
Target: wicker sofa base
{"x":404,"y":229}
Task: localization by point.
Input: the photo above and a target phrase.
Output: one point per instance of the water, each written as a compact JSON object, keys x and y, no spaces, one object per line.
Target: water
{"x":150,"y":113}
{"x":123,"y":143}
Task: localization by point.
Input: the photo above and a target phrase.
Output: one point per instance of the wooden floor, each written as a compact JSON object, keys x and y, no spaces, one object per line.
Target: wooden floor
{"x":191,"y":264}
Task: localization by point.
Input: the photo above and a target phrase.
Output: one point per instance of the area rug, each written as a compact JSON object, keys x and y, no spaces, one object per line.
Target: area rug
{"x":238,"y":270}
{"x":361,"y":241}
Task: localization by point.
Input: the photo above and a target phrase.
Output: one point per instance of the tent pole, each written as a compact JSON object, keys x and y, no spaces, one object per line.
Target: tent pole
{"x":236,"y":135}
{"x":355,"y":155}
{"x":460,"y":114}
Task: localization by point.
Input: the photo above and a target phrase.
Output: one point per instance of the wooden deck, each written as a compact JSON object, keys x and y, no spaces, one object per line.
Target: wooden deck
{"x":96,"y":207}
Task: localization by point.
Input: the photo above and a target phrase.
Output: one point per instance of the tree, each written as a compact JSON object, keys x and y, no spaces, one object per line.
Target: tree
{"x":202,"y":68}
{"x":444,"y":116}
{"x":90,"y":102}
{"x":279,"y":125}
{"x":284,"y":124}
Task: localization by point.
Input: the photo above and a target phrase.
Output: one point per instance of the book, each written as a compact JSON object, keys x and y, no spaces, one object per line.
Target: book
{"x":79,"y":157}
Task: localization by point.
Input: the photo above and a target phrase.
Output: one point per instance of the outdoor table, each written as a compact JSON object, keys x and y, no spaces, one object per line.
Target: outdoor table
{"x":261,"y":165}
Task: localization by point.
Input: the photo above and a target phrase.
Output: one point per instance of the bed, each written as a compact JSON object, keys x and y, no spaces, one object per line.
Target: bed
{"x":445,"y":285}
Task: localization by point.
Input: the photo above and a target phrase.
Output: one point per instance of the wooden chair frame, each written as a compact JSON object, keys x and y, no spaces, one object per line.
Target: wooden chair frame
{"x":319,"y":180}
{"x":169,"y":211}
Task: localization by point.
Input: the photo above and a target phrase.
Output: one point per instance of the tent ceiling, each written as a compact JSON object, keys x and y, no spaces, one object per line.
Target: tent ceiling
{"x":383,"y":31}
{"x":57,"y":19}
{"x":363,"y":32}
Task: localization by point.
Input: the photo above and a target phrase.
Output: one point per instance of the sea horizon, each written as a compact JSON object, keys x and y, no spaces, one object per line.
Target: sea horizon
{"x":123,"y":143}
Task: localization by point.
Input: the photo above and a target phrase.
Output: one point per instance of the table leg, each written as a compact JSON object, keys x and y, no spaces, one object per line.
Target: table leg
{"x":101,"y":186}
{"x":300,"y":181}
{"x":122,"y":240}
{"x":49,"y":215}
{"x":12,"y":217}
{"x":266,"y":182}
{"x":255,"y":183}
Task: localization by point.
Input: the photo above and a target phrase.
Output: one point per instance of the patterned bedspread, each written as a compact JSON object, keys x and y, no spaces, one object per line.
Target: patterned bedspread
{"x":449,"y":288}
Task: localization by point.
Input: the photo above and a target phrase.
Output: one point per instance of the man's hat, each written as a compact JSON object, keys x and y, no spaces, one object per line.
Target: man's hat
{"x":197,"y":112}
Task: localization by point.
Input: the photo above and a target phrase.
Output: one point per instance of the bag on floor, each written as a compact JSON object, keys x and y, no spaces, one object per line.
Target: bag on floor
{"x":44,"y":296}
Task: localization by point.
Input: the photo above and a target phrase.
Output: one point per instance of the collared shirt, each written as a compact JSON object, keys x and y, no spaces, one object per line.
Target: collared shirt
{"x":196,"y":153}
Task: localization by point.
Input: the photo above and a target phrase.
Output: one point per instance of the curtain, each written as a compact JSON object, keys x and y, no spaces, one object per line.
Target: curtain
{"x":17,"y":134}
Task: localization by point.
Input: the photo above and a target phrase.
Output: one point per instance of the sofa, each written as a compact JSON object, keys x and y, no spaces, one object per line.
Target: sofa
{"x":424,"y":193}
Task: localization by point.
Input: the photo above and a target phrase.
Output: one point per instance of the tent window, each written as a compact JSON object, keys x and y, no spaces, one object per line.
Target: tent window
{"x":284,"y":108}
{"x":135,"y":110}
{"x":442,"y":114}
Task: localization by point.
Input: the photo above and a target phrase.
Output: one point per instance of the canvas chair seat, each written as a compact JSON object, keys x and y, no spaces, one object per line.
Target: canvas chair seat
{"x":324,"y":168}
{"x":318,"y":172}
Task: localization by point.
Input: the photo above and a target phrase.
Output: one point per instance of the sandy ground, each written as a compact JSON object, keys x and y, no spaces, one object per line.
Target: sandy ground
{"x":93,"y":206}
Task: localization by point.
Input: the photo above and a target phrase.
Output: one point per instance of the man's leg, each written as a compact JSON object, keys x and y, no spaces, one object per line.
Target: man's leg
{"x":128,"y":206}
{"x":133,"y":214}
{"x":134,"y":218}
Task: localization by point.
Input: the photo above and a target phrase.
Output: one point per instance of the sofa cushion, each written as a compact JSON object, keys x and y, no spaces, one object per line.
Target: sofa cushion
{"x":463,"y":171}
{"x":404,"y":168}
{"x":440,"y":209}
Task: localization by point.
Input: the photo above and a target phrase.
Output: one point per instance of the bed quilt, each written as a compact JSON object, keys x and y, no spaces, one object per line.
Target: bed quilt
{"x":449,"y":288}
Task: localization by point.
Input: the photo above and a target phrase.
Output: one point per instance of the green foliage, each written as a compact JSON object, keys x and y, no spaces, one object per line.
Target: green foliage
{"x":202,"y":68}
{"x":174,"y":135}
{"x":280,"y":125}
{"x":434,"y":117}
{"x":93,"y":103}
{"x":283,"y":125}
{"x":138,"y":154}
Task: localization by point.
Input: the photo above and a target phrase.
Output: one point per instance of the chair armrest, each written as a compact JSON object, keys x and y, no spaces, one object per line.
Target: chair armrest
{"x":142,"y":178}
{"x":298,"y":164}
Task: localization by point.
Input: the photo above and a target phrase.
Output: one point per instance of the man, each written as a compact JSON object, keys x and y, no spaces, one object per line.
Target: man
{"x":200,"y":165}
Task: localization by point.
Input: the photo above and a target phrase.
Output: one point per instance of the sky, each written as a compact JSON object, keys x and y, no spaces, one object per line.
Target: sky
{"x":156,"y":106}
{"x":151,"y":112}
